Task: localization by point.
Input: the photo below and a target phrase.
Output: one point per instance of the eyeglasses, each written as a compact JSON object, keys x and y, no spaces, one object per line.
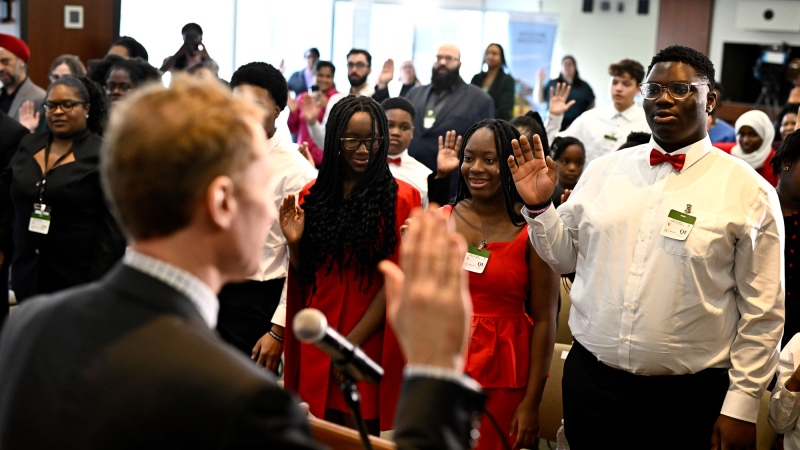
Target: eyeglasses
{"x":122,"y":87}
{"x":677,"y":90}
{"x":353,"y":144}
{"x":445,"y":58}
{"x":66,"y":105}
{"x":359,"y":65}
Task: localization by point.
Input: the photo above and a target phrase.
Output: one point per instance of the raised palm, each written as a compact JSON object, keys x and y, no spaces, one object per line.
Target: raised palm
{"x":292,"y":220}
{"x":534,"y":173}
{"x":558,"y":99}
{"x":447,"y":159}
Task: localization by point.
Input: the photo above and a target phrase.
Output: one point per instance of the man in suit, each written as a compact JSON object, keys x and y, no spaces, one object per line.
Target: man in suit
{"x":11,"y":133}
{"x":17,"y":87}
{"x":131,"y":361}
{"x":448,"y":103}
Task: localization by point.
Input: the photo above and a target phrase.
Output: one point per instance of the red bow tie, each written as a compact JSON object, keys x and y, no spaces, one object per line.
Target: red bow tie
{"x":656,"y":157}
{"x":394,"y":161}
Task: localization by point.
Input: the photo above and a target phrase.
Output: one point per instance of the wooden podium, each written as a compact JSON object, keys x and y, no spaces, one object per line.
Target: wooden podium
{"x":343,"y":438}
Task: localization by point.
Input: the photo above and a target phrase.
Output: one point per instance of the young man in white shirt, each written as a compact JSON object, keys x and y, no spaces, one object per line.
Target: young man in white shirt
{"x":250,"y":315}
{"x":678,"y":300}
{"x":602,"y":130}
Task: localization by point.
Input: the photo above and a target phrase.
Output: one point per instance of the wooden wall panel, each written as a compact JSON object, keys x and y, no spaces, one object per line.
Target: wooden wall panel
{"x":43,"y":29}
{"x":685,"y":22}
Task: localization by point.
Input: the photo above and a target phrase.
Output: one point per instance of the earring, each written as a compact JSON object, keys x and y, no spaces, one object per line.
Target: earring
{"x":785,"y":167}
{"x":87,"y":116}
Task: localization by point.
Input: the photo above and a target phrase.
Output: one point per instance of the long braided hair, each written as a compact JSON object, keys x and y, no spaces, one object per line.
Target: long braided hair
{"x":503,"y":132}
{"x":357,"y":230}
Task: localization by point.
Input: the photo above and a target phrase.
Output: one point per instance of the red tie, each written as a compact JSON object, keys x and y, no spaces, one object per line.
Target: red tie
{"x":394,"y":161}
{"x":656,"y":157}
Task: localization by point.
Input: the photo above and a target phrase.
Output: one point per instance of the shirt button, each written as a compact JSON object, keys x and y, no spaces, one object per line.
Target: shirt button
{"x":652,"y":205}
{"x":624,"y":339}
{"x":36,"y":251}
{"x":643,"y":238}
{"x":663,"y":176}
{"x":628,"y":305}
{"x":635,"y":272}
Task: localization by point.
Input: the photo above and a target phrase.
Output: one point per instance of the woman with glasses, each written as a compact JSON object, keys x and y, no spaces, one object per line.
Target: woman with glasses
{"x":61,"y":66}
{"x":496,"y":82}
{"x":119,"y":76}
{"x":56,"y":225}
{"x":346,"y":222}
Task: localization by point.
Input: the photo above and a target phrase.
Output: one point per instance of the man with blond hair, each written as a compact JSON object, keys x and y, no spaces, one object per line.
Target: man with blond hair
{"x":132,"y":361}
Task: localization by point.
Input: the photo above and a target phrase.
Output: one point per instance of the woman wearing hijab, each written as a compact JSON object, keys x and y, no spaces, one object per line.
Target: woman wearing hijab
{"x":754,"y":135}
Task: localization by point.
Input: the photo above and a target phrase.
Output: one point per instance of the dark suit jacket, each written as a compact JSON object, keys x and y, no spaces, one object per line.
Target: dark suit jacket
{"x":128,"y":362}
{"x":463,"y":107}
{"x":297,"y":82}
{"x":11,"y":132}
{"x":502,"y":92}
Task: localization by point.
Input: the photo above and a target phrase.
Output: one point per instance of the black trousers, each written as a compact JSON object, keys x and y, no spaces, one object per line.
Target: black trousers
{"x":605,"y":407}
{"x":245,"y":311}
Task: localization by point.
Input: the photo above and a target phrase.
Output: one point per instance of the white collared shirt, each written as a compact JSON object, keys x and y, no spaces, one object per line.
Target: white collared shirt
{"x":652,"y":305}
{"x":366,"y":90}
{"x":412,"y":172}
{"x":784,"y":405}
{"x":601,"y":130}
{"x":201,"y":296}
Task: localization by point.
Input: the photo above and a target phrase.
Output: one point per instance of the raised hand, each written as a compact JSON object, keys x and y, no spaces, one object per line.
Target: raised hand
{"x":310,"y":109}
{"x":534,"y":173}
{"x":558,"y":99}
{"x":303,"y":149}
{"x":293,"y":219}
{"x":387,"y":73}
{"x":28,"y":116}
{"x":565,"y":195}
{"x":447,"y":159}
{"x":292,"y":104}
{"x":542,"y":75}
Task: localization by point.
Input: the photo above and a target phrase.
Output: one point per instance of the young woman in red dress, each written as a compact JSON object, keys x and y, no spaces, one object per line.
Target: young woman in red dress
{"x":346,"y":222}
{"x":509,"y":354}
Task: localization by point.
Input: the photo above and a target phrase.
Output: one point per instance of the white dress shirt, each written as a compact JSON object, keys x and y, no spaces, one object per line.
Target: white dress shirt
{"x":601,"y":130}
{"x":412,"y":172}
{"x":784,"y":406}
{"x":652,"y":305}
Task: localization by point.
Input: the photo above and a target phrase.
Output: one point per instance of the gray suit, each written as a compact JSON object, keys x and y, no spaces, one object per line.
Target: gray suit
{"x":26,"y":91}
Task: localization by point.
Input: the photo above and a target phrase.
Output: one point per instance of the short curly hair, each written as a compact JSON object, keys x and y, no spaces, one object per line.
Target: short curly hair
{"x":399,"y":103}
{"x":265,"y":76}
{"x":702,"y":65}
{"x":629,"y":66}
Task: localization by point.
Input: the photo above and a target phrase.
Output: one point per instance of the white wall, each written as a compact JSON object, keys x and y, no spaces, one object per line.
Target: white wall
{"x":723,"y":29}
{"x":600,"y":38}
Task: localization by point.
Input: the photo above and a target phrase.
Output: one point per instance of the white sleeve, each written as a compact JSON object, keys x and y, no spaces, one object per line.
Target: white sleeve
{"x":279,"y":318}
{"x":784,"y":405}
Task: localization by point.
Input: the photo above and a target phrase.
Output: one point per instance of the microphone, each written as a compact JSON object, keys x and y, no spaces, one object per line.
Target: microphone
{"x":311,"y":327}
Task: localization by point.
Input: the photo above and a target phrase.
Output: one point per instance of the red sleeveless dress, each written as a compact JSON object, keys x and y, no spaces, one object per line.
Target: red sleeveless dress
{"x":500,"y":335}
{"x":307,"y":369}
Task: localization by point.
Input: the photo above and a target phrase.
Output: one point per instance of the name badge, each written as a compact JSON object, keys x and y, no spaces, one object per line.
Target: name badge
{"x":429,"y":119}
{"x":40,"y":219}
{"x":475,"y":260}
{"x":678,"y":225}
{"x":610,"y":143}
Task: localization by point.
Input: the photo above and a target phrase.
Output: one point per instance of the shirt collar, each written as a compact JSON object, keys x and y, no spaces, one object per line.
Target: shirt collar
{"x":274,"y":141}
{"x":201,"y":296}
{"x":629,"y":114}
{"x":694,"y":152}
{"x":402,"y":155}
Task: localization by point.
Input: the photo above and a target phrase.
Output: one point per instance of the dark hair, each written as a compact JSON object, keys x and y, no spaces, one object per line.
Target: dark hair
{"x":535,"y":125}
{"x":192,"y":26}
{"x":629,"y":66}
{"x":504,"y":133}
{"x":135,"y":49}
{"x":74,"y":63}
{"x":91,"y":93}
{"x":718,"y":86}
{"x":634,"y":139}
{"x":265,"y":76}
{"x":788,"y":151}
{"x":502,"y":53}
{"x":678,"y":53}
{"x":789,"y":108}
{"x":357,"y":231}
{"x":576,"y":81}
{"x":355,"y":51}
{"x":314,"y":51}
{"x":560,"y":144}
{"x":399,"y":103}
{"x":327,"y":64}
{"x":139,"y":70}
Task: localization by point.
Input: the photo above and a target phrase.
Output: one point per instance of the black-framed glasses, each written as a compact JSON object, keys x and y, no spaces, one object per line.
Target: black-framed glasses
{"x":359,"y":65}
{"x":353,"y":144}
{"x":677,"y":90}
{"x":66,"y":105}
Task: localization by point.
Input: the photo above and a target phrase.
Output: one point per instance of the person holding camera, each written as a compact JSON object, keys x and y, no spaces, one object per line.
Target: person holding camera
{"x":192,"y":53}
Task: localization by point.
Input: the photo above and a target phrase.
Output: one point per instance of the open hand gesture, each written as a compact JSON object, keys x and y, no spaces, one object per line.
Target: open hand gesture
{"x":447,"y":159}
{"x":28,"y":116}
{"x":310,"y":109}
{"x":534,"y":173}
{"x":558,"y":99}
{"x":293,"y":219}
{"x":387,"y":73}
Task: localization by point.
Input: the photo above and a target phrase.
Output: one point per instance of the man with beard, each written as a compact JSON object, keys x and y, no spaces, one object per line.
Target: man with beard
{"x":359,"y":66}
{"x":17,"y":88}
{"x":448,"y":103}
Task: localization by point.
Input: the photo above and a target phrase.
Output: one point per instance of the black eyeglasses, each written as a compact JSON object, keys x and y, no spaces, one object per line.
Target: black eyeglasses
{"x":359,"y":65}
{"x":66,"y":105}
{"x":677,"y":90}
{"x":353,"y":144}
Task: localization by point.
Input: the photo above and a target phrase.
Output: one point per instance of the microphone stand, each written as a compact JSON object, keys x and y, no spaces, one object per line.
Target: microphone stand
{"x":353,"y":400}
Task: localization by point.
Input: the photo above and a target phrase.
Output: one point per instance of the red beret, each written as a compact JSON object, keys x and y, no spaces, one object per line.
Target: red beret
{"x":16,"y":46}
